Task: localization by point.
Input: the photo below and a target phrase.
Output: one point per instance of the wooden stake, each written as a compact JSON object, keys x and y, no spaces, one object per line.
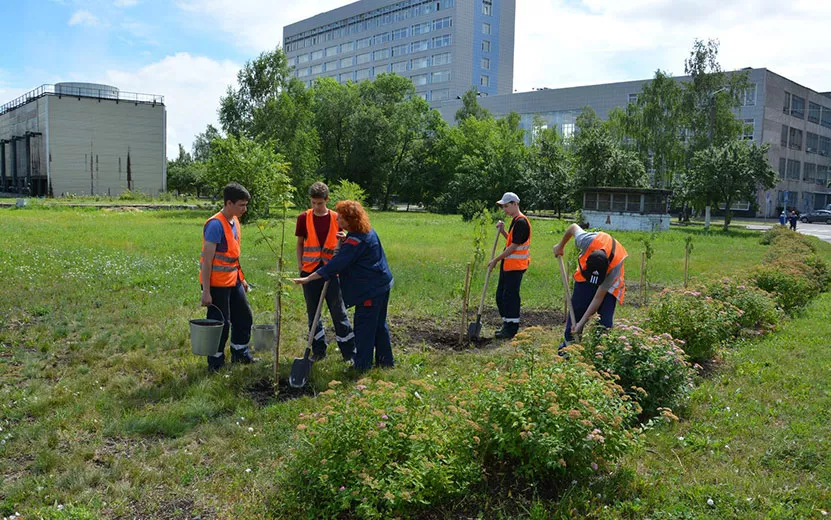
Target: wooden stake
{"x":643,"y":278}
{"x":686,"y":264}
{"x":463,"y":327}
{"x":278,"y":303}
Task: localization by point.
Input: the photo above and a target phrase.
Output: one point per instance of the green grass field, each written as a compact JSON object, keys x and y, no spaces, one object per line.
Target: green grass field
{"x":102,"y":406}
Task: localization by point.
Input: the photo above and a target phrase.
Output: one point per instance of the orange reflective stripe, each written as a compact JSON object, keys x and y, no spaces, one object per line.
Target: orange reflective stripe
{"x":520,"y":258}
{"x":313,"y":252}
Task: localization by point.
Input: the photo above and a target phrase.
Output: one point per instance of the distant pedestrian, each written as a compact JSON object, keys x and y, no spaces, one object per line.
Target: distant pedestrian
{"x":514,"y":261}
{"x":792,"y":218}
{"x":223,"y":284}
{"x":783,"y":218}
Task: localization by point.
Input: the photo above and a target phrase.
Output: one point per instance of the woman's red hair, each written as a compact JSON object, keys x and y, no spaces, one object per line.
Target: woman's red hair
{"x":354,"y":214}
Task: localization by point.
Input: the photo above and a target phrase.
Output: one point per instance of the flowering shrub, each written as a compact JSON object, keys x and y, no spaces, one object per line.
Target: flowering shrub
{"x":651,"y":368}
{"x":701,"y":322}
{"x":545,"y":418}
{"x":791,"y":283}
{"x":379,"y":449}
{"x":758,"y":306}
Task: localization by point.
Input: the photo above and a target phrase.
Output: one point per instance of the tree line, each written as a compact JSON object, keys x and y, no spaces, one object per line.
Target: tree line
{"x":280,"y":136}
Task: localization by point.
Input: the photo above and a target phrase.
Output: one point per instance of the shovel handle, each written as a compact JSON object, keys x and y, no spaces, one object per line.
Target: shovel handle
{"x":565,"y":290}
{"x":313,"y":326}
{"x":488,"y":274}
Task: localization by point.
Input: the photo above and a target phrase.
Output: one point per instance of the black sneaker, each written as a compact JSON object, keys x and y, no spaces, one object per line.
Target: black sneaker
{"x":507,"y":331}
{"x":317,"y":356}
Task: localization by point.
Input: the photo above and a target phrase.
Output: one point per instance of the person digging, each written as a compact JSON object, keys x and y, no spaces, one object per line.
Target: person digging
{"x":599,"y":281}
{"x":514,"y":261}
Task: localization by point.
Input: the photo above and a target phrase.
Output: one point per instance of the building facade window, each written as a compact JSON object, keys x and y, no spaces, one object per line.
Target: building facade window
{"x":487,"y":7}
{"x":331,"y":65}
{"x":822,"y":175}
{"x":798,"y":107}
{"x":302,"y":72}
{"x":331,"y":51}
{"x":748,"y":97}
{"x":442,"y":41}
{"x":363,"y":43}
{"x":382,"y":38}
{"x":786,"y":106}
{"x":419,"y":63}
{"x":421,"y":28}
{"x":317,"y":69}
{"x":346,"y":62}
{"x":441,"y":59}
{"x":440,"y":94}
{"x":362,"y":74}
{"x":794,"y":169}
{"x":400,"y":33}
{"x":421,"y":45}
{"x":399,"y":67}
{"x":826,"y":117}
{"x":303,"y":58}
{"x":484,"y":81}
{"x":317,"y":55}
{"x":784,"y":138}
{"x":364,"y":58}
{"x":383,"y":54}
{"x":486,"y":28}
{"x":814,"y":112}
{"x":749,"y":129}
{"x":400,"y":50}
{"x":347,"y":47}
{"x":419,"y":79}
{"x":811,"y":143}
{"x":783,"y":167}
{"x":344,"y":77}
{"x":795,"y":139}
{"x":442,"y":23}
{"x":486,"y":46}
{"x":810,"y":172}
{"x":486,"y":63}
{"x":824,"y":146}
{"x":440,"y":76}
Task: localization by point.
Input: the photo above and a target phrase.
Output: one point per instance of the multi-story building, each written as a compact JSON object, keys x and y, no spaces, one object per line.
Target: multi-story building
{"x":82,"y":138}
{"x":794,"y":120}
{"x":444,"y":46}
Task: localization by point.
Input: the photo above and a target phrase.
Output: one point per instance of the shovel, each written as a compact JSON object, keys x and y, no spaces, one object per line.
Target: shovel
{"x":475,"y":329}
{"x":565,"y":292}
{"x":302,"y":366}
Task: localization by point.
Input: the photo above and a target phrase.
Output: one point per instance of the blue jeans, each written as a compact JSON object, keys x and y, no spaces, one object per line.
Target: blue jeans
{"x":581,"y":298}
{"x":372,"y":334}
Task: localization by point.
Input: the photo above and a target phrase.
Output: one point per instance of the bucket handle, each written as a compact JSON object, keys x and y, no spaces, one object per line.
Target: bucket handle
{"x":220,"y":311}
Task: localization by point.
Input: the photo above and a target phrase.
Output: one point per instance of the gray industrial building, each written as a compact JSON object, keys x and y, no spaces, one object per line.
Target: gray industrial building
{"x":794,"y":120}
{"x":444,"y":46}
{"x":82,"y":138}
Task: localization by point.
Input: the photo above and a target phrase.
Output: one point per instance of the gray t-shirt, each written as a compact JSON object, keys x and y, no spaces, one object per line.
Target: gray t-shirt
{"x":583,"y":239}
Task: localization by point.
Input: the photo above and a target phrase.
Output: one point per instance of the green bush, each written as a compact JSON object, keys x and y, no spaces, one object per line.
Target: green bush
{"x":547,"y":419}
{"x":778,"y":232}
{"x":380,"y":449}
{"x":470,"y":208}
{"x":821,"y":271}
{"x":651,"y":368}
{"x":791,"y":283}
{"x":701,"y":322}
{"x":758,"y":306}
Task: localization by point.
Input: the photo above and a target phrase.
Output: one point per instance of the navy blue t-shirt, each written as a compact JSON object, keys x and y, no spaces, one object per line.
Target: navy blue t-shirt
{"x":214,"y":233}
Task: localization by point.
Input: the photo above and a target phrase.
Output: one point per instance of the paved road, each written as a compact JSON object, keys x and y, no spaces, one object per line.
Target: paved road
{"x":819,"y":230}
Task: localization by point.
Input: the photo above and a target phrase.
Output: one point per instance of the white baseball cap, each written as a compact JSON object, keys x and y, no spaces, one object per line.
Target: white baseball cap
{"x":508,"y":197}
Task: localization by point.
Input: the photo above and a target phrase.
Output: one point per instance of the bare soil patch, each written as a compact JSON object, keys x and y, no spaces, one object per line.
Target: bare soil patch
{"x":262,"y":391}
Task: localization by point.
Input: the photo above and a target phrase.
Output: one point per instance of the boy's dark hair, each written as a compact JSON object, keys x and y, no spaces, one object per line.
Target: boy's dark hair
{"x":235,"y":191}
{"x":319,"y":190}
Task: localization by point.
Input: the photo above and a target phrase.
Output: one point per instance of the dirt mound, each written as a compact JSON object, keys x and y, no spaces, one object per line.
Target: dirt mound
{"x":262,"y":391}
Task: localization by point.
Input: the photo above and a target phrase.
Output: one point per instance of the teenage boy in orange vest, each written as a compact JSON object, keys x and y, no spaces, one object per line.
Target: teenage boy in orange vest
{"x":599,"y":282}
{"x":317,"y":237}
{"x":514,"y":259}
{"x":225,"y":293}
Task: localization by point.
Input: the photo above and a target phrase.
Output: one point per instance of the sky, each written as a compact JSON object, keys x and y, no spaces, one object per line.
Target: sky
{"x":190,"y":51}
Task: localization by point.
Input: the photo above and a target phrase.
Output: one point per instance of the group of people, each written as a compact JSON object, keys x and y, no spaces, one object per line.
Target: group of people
{"x":341,"y":247}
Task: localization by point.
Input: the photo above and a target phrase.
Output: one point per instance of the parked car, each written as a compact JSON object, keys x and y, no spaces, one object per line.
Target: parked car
{"x":820,"y":215}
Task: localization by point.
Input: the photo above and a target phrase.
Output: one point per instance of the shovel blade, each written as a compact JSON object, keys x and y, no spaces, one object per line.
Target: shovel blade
{"x":474,"y":330}
{"x":300,"y":370}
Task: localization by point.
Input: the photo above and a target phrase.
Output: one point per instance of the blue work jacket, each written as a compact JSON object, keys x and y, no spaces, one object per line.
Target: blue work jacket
{"x":362,"y":266}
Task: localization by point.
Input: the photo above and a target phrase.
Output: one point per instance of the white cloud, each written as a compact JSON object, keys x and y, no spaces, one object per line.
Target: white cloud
{"x":564,"y":43}
{"x":85,"y":18}
{"x":191,"y":86}
{"x":255,"y":25}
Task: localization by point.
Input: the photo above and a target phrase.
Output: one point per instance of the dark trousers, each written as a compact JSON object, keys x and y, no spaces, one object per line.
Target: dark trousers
{"x":581,"y":298}
{"x":343,"y":329}
{"x":236,"y":313}
{"x":508,"y":300}
{"x":372,"y":334}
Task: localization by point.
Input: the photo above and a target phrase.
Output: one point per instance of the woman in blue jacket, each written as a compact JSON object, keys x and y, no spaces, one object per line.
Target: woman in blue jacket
{"x":365,"y":281}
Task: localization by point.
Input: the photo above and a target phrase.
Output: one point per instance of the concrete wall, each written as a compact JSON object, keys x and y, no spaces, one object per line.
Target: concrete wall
{"x":623,"y":221}
{"x":90,"y":141}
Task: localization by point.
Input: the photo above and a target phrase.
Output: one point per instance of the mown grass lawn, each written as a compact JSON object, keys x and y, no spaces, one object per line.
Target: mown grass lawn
{"x":102,"y":405}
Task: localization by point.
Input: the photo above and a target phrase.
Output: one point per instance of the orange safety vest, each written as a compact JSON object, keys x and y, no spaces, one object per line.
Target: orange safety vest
{"x":313,"y":253}
{"x":605,"y":242}
{"x":225,"y":268}
{"x":521,"y":257}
